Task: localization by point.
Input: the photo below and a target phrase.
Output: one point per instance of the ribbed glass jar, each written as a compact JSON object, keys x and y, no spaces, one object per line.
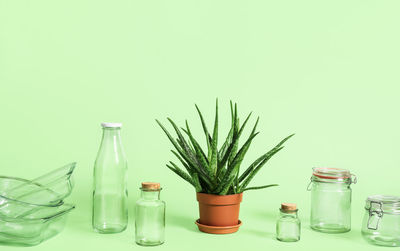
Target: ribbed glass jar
{"x":331,"y":200}
{"x":381,"y":223}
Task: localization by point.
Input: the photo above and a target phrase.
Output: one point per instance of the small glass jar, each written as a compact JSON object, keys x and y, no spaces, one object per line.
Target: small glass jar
{"x":331,"y":200}
{"x":288,"y":224}
{"x":150,"y":216}
{"x":381,"y":223}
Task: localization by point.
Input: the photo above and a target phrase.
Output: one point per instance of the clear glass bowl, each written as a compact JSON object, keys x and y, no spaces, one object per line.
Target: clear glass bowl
{"x":42,"y":198}
{"x":50,"y":188}
{"x":34,"y":228}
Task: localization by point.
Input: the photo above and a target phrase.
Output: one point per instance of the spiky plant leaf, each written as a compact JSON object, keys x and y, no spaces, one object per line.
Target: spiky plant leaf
{"x":235,"y":147}
{"x":192,"y":163}
{"x":183,"y":153}
{"x":181,"y":173}
{"x":256,"y":169}
{"x":214,"y":144}
{"x":225,"y":188}
{"x":218,"y":172}
{"x":260,"y":187}
{"x":199,"y":152}
{"x":196,"y":183}
{"x":229,"y":138}
{"x":235,"y":164}
{"x":186,"y":165}
{"x":207,"y":134}
{"x":188,"y":150}
{"x":260,"y":159}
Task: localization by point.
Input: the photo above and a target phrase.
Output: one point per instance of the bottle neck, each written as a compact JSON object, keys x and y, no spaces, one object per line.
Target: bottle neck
{"x":111,"y":132}
{"x":284,"y":213}
{"x":150,"y":195}
{"x":111,"y":136}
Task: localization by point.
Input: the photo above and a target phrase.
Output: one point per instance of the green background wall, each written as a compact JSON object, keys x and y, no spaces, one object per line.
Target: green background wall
{"x":325,"y":70}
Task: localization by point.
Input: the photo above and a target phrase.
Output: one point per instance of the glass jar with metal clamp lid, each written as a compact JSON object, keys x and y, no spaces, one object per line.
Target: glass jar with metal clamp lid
{"x":331,"y":199}
{"x":381,"y":223}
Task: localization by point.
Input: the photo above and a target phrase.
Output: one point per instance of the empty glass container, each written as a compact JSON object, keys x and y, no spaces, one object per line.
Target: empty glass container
{"x":110,"y":195}
{"x":150,"y":216}
{"x":10,"y":207}
{"x":50,"y":188}
{"x":288,"y":224}
{"x":381,"y":223}
{"x":331,"y":200}
{"x":34,"y":228}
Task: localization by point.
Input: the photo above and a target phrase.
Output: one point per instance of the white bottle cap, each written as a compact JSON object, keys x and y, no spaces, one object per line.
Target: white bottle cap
{"x":113,"y":125}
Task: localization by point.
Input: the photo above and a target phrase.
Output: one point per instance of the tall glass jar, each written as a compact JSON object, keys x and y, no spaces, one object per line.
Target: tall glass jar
{"x":150,"y":216}
{"x":381,"y":223}
{"x":110,"y":195}
{"x":331,"y":200}
{"x":288,"y":224}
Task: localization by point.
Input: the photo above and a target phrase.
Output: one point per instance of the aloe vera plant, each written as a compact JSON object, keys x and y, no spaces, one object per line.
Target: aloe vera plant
{"x":217,"y":171}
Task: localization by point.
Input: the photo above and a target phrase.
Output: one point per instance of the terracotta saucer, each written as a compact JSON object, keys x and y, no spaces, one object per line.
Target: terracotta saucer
{"x":217,"y":229}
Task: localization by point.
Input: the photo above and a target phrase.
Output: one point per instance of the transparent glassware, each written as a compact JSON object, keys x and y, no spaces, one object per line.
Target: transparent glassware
{"x":34,"y":228}
{"x":150,"y":216}
{"x":288,"y":225}
{"x":18,"y":208}
{"x":50,"y":188}
{"x":110,"y":195}
{"x":331,"y":200}
{"x":381,"y":222}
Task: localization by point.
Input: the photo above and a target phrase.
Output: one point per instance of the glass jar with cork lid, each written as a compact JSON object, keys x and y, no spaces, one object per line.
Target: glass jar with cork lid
{"x":288,"y":224}
{"x":150,"y":216}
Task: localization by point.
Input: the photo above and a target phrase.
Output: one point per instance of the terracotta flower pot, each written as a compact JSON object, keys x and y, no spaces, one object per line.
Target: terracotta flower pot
{"x":219,"y":213}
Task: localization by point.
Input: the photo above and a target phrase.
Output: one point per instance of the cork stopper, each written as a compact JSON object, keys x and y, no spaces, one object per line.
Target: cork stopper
{"x":150,"y":186}
{"x":288,"y":207}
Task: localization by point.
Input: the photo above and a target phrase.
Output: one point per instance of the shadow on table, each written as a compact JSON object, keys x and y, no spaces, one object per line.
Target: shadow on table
{"x":182,"y":221}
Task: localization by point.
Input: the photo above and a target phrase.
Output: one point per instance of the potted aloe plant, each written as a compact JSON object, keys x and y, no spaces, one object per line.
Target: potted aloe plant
{"x":216,"y":173}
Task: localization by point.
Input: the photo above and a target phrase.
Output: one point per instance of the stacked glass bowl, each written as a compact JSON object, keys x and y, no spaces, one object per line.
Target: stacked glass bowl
{"x":32,"y":211}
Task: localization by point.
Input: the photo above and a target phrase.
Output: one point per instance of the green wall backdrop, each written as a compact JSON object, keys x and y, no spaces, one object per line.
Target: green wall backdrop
{"x":325,"y":70}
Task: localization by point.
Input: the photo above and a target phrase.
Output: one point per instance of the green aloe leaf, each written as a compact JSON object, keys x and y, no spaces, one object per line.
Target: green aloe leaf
{"x":214,"y":144}
{"x":200,"y":156}
{"x":233,"y":144}
{"x":243,"y":150}
{"x":227,"y":186}
{"x":225,"y":146}
{"x":218,"y":170}
{"x":259,"y":187}
{"x":229,"y":138}
{"x":184,"y":163}
{"x":181,"y":173}
{"x":207,"y":134}
{"x":260,"y":159}
{"x":196,"y":182}
{"x":183,"y":153}
{"x":235,"y":147}
{"x":232,"y":169}
{"x":247,"y":147}
{"x":259,"y":166}
{"x":244,"y":124}
{"x":177,"y":147}
{"x":191,"y":153}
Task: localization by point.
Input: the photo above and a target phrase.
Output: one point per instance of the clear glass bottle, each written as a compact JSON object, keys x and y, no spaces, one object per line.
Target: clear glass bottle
{"x":110,"y":195}
{"x":331,"y":200}
{"x":381,"y":223}
{"x":150,"y":216}
{"x":288,"y":225}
